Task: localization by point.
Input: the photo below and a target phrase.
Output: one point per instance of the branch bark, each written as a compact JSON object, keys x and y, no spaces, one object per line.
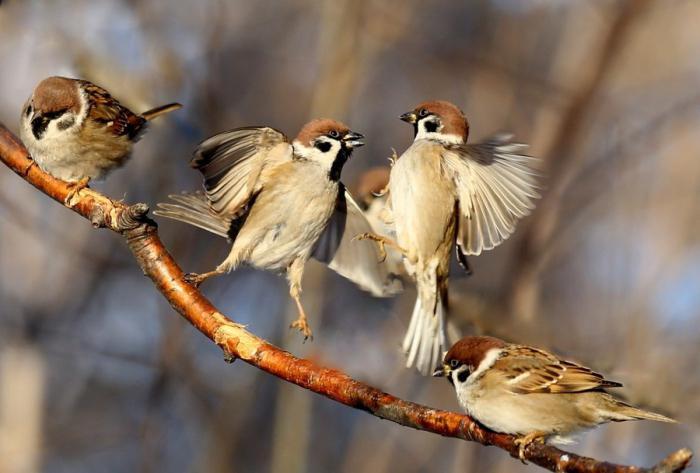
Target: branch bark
{"x":142,"y":239}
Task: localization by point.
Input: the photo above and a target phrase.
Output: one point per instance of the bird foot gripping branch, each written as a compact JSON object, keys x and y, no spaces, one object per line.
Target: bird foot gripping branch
{"x":75,"y":189}
{"x":105,"y":213}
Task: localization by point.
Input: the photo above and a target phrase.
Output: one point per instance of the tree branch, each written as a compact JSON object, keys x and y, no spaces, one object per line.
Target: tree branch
{"x":236,"y":342}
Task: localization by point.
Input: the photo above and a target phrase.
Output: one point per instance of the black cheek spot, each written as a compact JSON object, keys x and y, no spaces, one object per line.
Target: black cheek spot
{"x":463,"y":375}
{"x":28,"y":111}
{"x":65,"y":124}
{"x":39,"y":127}
{"x":324,"y":146}
{"x":431,"y":126}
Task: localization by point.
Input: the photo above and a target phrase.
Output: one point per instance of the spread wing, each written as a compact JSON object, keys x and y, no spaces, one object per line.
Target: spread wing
{"x":232,"y":164}
{"x":495,"y":187}
{"x":529,"y":370}
{"x":356,"y":260}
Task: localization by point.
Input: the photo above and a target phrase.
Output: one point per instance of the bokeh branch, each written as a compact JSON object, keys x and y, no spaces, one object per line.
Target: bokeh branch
{"x":236,"y":342}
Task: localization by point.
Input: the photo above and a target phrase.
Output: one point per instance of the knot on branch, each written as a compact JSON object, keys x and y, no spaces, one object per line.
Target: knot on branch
{"x":131,"y":217}
{"x":675,"y":462}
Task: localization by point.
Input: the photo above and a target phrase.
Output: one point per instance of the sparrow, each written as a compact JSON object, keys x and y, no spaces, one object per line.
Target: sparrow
{"x":280,"y":203}
{"x":531,"y":393}
{"x":76,"y":131}
{"x":444,"y":190}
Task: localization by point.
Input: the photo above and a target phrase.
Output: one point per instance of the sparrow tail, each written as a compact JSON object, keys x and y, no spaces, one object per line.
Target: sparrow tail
{"x":426,"y":340}
{"x":624,"y":411}
{"x":162,"y":110}
{"x":194,"y":209}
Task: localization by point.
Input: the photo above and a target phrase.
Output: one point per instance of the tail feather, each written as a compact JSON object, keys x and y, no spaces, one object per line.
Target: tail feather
{"x":624,"y":411}
{"x":162,"y":110}
{"x":194,"y":209}
{"x":425,"y":340}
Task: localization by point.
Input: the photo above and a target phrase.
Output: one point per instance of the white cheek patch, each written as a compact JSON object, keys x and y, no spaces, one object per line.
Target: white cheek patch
{"x":314,"y":154}
{"x":491,"y":356}
{"x":61,"y":127}
{"x":437,"y":135}
{"x":82,"y":113}
{"x":67,"y":121}
{"x":301,"y":150}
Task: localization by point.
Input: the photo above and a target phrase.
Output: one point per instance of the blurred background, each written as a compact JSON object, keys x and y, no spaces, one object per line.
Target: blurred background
{"x":98,"y":374}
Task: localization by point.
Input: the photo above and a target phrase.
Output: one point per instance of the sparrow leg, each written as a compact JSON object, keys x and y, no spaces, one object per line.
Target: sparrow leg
{"x":75,"y":187}
{"x":301,"y":323}
{"x":526,"y":440}
{"x":294,"y":274}
{"x":382,"y":241}
{"x":196,"y":279}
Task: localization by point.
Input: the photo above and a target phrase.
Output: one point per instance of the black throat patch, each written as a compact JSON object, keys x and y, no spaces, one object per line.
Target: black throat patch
{"x":338,"y":163}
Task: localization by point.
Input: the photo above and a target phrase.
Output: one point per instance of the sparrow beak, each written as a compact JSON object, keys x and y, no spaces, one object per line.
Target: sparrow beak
{"x":408,"y":117}
{"x":441,"y":372}
{"x":353,"y":139}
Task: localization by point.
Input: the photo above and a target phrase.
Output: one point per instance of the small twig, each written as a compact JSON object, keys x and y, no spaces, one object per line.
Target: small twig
{"x":142,"y":238}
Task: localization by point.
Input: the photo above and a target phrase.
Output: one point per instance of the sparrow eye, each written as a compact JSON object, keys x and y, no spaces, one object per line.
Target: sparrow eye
{"x":334,"y":134}
{"x":422,"y":113}
{"x":454,"y":363}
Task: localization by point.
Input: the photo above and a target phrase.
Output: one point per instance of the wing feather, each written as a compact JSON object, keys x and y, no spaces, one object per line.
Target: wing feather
{"x":232,"y":163}
{"x":530,"y":370}
{"x":496,"y":186}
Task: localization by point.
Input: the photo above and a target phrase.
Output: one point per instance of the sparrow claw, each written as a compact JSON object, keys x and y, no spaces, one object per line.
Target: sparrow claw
{"x":382,"y":192}
{"x":303,"y":326}
{"x":382,"y":252}
{"x":525,"y":441}
{"x":194,"y":279}
{"x":75,"y":188}
{"x":381,"y":241}
{"x":376,"y":238}
{"x":393,"y":158}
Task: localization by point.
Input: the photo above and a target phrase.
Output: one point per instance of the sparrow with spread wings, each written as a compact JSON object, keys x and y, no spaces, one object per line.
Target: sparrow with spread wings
{"x":444,"y":190}
{"x":281,"y":203}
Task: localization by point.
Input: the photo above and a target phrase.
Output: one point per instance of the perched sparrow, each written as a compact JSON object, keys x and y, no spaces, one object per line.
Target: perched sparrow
{"x":441,"y":190}
{"x":524,"y":391}
{"x":76,"y":131}
{"x":281,"y":203}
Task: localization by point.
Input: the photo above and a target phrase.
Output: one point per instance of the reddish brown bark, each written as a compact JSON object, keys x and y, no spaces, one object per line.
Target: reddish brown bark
{"x":156,"y":263}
